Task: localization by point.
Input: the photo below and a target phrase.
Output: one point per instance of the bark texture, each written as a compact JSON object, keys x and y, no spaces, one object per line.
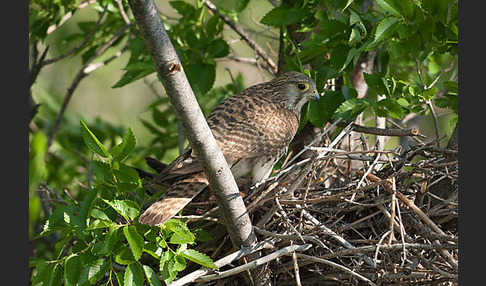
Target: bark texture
{"x":175,"y":82}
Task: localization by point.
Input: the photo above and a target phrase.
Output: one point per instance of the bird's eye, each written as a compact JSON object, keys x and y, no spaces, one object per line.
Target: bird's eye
{"x":302,"y":86}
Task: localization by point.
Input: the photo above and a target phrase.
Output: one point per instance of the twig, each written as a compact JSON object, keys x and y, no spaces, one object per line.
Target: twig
{"x":68,"y":15}
{"x":290,"y":236}
{"x":82,"y":73}
{"x":220,"y":263}
{"x":422,"y":216}
{"x":382,"y":131}
{"x":286,"y":218}
{"x":335,"y":265}
{"x":79,"y":46}
{"x":122,"y":11}
{"x":34,"y":71}
{"x":334,"y":235}
{"x":436,"y":122}
{"x":242,"y":33}
{"x":255,"y":263}
{"x":296,"y":269}
{"x":392,"y":247}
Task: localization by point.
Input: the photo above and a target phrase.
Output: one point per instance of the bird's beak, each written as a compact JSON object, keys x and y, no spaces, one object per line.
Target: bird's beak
{"x":315,"y":94}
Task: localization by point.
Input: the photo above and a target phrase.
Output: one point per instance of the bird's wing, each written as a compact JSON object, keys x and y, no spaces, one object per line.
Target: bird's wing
{"x":249,"y":126}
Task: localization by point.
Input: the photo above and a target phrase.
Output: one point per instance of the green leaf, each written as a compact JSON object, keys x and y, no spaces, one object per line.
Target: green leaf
{"x":127,"y":178}
{"x":86,"y":205}
{"x":151,"y":276}
{"x":321,"y":111}
{"x":347,"y":5}
{"x":451,"y":87}
{"x":214,"y":25}
{"x":92,"y":142}
{"x":166,"y":268}
{"x":353,"y":55}
{"x":99,"y":214}
{"x":201,"y":76}
{"x":202,"y":235}
{"x":72,"y":269}
{"x":56,"y":275}
{"x":182,"y":234}
{"x":127,"y":145}
{"x":124,"y":256}
{"x":384,"y":28}
{"x":103,"y":173}
{"x":386,"y":6}
{"x":42,"y":273}
{"x":126,"y":208}
{"x":403,"y":102}
{"x":354,"y":37}
{"x":37,"y":163}
{"x":110,"y":242}
{"x":218,"y":48}
{"x":283,"y":16}
{"x":133,"y":275}
{"x":183,"y":8}
{"x":230,"y":7}
{"x":350,"y":108}
{"x":199,"y":258}
{"x":179,"y":263}
{"x":96,"y":224}
{"x":93,"y":271}
{"x":135,"y":71}
{"x":135,"y":241}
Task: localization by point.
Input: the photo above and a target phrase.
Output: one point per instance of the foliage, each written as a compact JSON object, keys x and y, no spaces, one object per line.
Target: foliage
{"x":84,"y":194}
{"x":100,"y":228}
{"x":417,"y":47}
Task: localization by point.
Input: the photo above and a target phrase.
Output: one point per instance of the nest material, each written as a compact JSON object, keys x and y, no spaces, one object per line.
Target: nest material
{"x":346,"y":215}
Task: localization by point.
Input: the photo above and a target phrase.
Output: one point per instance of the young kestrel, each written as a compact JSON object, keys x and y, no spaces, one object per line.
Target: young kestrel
{"x":252,"y":128}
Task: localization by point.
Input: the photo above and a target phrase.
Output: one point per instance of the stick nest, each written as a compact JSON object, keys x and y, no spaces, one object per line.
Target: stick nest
{"x":373,"y":218}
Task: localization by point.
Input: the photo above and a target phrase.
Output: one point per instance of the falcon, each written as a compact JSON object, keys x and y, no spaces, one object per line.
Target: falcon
{"x":253,"y":129}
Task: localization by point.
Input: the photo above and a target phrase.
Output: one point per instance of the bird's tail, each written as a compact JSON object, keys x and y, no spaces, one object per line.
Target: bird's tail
{"x":180,"y":193}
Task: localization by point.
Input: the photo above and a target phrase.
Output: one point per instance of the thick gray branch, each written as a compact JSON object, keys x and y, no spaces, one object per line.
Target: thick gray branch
{"x":179,"y":91}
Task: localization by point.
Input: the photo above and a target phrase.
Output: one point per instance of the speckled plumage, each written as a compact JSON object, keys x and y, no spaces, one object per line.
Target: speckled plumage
{"x":252,"y":129}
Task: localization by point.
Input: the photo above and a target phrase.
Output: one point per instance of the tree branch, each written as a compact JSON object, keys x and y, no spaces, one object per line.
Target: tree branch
{"x":175,"y":82}
{"x":82,"y":73}
{"x":382,"y":131}
{"x":242,"y":33}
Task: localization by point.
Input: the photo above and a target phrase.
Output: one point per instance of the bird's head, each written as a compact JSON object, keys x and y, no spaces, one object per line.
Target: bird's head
{"x":294,"y":89}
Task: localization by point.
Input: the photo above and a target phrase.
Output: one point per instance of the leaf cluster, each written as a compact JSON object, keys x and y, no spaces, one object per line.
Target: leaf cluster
{"x":101,"y":240}
{"x":415,"y":42}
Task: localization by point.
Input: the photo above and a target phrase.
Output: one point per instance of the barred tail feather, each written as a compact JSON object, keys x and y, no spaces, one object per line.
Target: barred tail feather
{"x":178,"y":196}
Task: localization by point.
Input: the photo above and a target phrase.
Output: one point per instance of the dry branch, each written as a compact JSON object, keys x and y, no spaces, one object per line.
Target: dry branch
{"x":255,"y":263}
{"x":382,"y":131}
{"x":242,"y":33}
{"x":221,"y":262}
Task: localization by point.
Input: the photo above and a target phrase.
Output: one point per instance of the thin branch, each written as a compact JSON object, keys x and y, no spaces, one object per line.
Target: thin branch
{"x":334,"y":235}
{"x":420,"y":213}
{"x":79,"y":46}
{"x":82,"y":73}
{"x":244,"y":35}
{"x":382,"y":131}
{"x":122,"y":11}
{"x":220,"y":263}
{"x":436,"y":122}
{"x":255,"y":263}
{"x":338,"y":266}
{"x":68,"y":15}
{"x":290,"y":236}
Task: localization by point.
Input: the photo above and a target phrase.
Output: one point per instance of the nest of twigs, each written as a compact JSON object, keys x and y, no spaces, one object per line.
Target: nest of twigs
{"x":352,"y":218}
